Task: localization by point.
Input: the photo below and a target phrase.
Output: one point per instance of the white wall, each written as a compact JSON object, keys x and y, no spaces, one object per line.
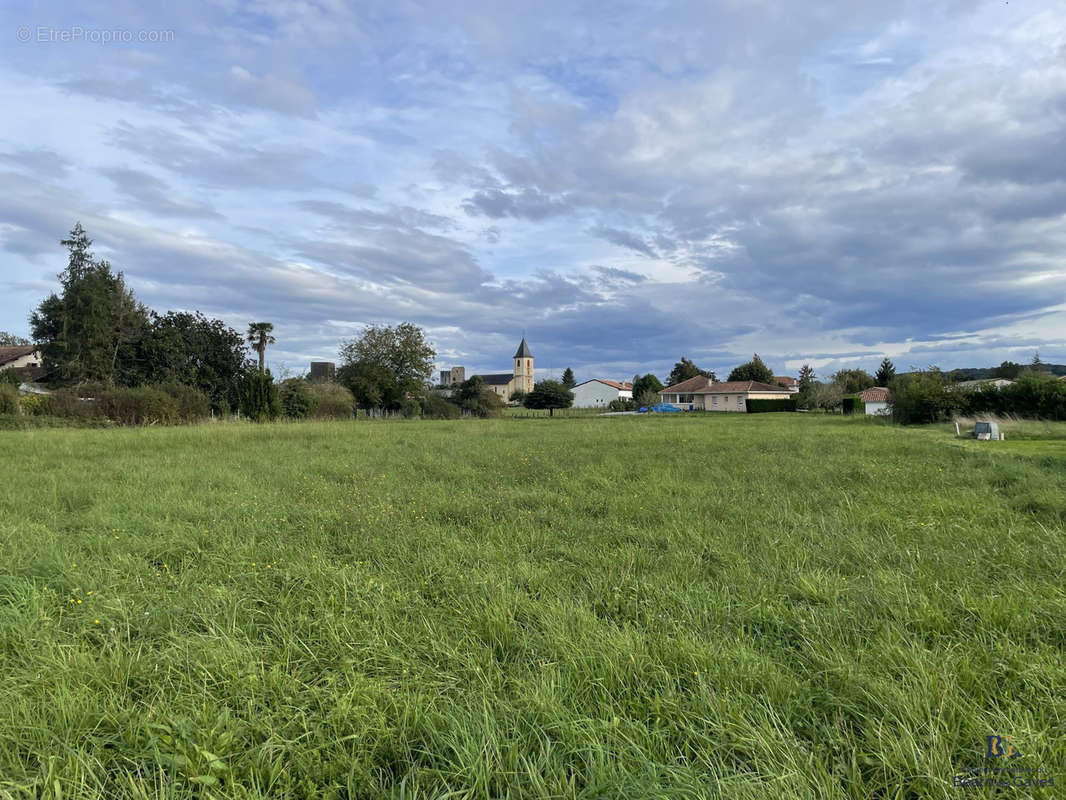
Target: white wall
{"x":596,"y":395}
{"x":880,"y":409}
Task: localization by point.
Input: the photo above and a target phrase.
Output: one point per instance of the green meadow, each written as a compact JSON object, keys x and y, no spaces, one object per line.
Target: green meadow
{"x":742,"y":606}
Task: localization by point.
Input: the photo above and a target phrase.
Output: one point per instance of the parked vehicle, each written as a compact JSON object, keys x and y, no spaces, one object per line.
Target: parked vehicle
{"x":659,"y":408}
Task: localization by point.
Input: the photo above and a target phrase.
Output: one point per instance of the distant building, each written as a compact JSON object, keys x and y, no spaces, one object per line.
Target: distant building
{"x":997,"y":383}
{"x":599,"y":392}
{"x":452,"y":376}
{"x":878,"y":400}
{"x":789,"y":383}
{"x":504,"y":384}
{"x":702,"y":394}
{"x":323,"y":370}
{"x":26,"y":360}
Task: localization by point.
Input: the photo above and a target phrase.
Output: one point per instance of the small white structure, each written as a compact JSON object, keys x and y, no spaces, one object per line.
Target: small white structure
{"x":878,"y":400}
{"x":989,"y":431}
{"x":599,"y":392}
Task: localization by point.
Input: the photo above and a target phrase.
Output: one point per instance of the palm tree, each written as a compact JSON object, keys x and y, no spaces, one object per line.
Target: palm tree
{"x":259,"y":337}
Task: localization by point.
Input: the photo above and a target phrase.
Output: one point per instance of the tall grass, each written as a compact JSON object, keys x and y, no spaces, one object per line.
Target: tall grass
{"x":746,"y":606}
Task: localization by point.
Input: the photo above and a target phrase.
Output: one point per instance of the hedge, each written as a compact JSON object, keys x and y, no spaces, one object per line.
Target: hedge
{"x":766,"y":406}
{"x":853,"y":405}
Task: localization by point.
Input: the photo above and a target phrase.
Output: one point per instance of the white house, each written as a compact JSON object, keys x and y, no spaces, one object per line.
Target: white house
{"x":599,"y":392}
{"x":20,"y":357}
{"x":878,"y":400}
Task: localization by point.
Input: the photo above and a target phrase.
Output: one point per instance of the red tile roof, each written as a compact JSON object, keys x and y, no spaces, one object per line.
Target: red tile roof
{"x":876,"y":394}
{"x":700,"y":385}
{"x":785,"y":379}
{"x":687,"y":387}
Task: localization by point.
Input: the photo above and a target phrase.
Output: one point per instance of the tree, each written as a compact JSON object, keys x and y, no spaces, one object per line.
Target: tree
{"x":89,"y":331}
{"x":922,"y":397}
{"x":386,"y":366}
{"x":646,"y":390}
{"x":294,"y":394}
{"x":257,"y":396}
{"x":685,"y":369}
{"x":475,"y":398}
{"x":754,"y":370}
{"x":806,"y":379}
{"x":194,"y":350}
{"x":826,"y":396}
{"x":550,"y":395}
{"x":886,"y":373}
{"x":1007,"y":369}
{"x":259,"y":337}
{"x":11,"y":340}
{"x":853,"y":381}
{"x":568,"y":378}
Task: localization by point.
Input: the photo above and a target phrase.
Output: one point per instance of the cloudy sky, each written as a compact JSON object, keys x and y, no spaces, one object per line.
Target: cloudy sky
{"x":625,"y":183}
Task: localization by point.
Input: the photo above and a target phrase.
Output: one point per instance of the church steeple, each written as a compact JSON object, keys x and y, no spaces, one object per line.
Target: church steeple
{"x":523,"y":368}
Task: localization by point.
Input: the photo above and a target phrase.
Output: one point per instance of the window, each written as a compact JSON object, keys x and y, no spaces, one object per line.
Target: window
{"x":740,"y":400}
{"x":714,"y":401}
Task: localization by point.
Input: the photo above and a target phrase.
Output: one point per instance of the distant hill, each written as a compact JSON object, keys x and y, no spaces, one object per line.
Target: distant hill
{"x":1005,"y":370}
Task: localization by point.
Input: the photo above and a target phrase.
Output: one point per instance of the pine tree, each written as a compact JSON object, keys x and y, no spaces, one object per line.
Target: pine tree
{"x":568,"y":378}
{"x":89,"y":331}
{"x":886,"y":373}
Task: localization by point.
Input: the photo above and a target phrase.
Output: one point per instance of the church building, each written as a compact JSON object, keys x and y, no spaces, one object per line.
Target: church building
{"x":504,"y":384}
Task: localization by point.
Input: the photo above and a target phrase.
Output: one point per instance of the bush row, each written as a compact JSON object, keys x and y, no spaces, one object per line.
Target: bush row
{"x":165,"y":404}
{"x":927,"y":397}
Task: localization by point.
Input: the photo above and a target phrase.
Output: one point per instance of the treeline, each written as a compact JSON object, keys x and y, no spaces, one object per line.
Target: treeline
{"x":105,"y":354}
{"x":106,"y":357}
{"x":930,"y":396}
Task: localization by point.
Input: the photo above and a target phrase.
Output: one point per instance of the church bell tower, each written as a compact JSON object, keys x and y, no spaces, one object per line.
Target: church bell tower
{"x":523,"y":368}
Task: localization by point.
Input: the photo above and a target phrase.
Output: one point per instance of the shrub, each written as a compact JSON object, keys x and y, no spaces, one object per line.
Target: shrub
{"x":410,"y":408}
{"x":756,"y":406}
{"x":66,"y":403}
{"x":9,"y":399}
{"x":923,"y":397}
{"x":30,"y":404}
{"x":330,"y":401}
{"x":257,"y":396}
{"x":853,"y":405}
{"x":9,"y":377}
{"x":143,"y":405}
{"x":623,"y":404}
{"x":437,"y":406}
{"x":193,"y":405}
{"x":295,"y":397}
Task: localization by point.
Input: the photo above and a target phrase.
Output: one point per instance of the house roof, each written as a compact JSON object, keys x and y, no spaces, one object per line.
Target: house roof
{"x":876,"y":394}
{"x":732,"y":387}
{"x":623,"y":387}
{"x":701,"y":385}
{"x":695,"y":384}
{"x":9,"y":354}
{"x":523,"y":350}
{"x":497,"y":378}
{"x":785,"y":379}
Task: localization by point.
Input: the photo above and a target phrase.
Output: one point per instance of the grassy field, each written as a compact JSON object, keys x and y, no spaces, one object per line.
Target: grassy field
{"x":785,"y":606}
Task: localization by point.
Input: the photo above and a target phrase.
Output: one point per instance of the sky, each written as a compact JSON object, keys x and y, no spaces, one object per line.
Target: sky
{"x":624,"y":184}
